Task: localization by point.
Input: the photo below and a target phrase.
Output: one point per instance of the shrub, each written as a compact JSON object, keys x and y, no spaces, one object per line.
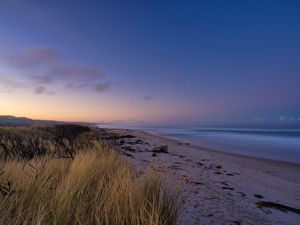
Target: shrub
{"x":61,"y":141}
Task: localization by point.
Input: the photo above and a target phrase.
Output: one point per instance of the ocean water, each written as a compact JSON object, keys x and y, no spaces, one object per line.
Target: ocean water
{"x":270,"y":143}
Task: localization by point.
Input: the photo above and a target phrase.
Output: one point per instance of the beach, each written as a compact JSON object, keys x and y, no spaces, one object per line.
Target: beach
{"x":216,"y":187}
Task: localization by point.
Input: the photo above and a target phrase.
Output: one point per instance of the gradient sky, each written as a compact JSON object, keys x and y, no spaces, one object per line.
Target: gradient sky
{"x":152,"y":61}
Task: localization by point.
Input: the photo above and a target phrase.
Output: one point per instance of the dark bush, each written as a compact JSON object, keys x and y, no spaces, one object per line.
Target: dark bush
{"x":60,"y":141}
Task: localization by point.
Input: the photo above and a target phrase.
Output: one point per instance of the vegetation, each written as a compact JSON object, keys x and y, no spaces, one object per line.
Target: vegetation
{"x":60,"y":141}
{"x":65,"y":175}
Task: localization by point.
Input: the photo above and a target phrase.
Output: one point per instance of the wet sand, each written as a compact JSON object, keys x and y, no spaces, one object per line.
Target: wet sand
{"x":217,"y":188}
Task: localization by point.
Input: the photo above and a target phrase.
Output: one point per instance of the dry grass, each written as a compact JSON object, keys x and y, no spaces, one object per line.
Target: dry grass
{"x":97,"y":187}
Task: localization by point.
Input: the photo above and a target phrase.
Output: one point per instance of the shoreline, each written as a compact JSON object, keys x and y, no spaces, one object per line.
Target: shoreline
{"x":245,"y":160}
{"x":219,"y":150}
{"x":217,"y":187}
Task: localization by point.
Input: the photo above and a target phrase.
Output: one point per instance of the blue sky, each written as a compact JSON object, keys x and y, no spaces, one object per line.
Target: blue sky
{"x":151,"y":60}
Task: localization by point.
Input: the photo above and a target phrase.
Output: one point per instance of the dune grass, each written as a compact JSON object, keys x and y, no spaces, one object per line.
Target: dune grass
{"x":97,"y":187}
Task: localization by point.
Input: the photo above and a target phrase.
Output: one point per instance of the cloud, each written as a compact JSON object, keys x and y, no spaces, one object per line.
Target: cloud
{"x":9,"y":85}
{"x":258,"y":119}
{"x":40,"y":90}
{"x":32,"y":58}
{"x":68,"y":70}
{"x":101,"y":87}
{"x":43,"y":90}
{"x":50,"y":62}
{"x":46,"y":67}
{"x":148,"y":97}
{"x":40,"y":79}
{"x":283,"y":118}
{"x":75,"y":86}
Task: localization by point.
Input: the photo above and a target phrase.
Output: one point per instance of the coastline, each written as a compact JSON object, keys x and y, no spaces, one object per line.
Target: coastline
{"x":282,"y":169}
{"x":217,"y":187}
{"x":202,"y":145}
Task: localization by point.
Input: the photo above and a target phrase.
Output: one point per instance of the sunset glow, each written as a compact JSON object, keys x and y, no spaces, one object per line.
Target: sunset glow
{"x":152,"y":62}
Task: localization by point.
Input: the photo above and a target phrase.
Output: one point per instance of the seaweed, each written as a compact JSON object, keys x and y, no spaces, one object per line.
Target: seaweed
{"x":278,"y":206}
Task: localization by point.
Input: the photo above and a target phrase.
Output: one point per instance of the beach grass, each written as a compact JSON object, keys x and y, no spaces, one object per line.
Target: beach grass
{"x":95,"y":186}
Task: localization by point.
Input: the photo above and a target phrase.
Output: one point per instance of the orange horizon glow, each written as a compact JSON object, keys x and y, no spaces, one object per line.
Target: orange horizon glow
{"x":72,"y":107}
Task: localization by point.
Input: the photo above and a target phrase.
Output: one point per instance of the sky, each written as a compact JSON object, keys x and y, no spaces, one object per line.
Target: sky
{"x":150,"y":61}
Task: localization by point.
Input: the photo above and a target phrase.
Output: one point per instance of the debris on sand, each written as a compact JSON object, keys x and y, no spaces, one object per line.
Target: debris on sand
{"x":273,"y":205}
{"x":161,"y":149}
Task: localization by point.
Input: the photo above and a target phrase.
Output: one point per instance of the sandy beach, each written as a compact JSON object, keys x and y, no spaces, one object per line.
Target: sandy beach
{"x":217,"y":188}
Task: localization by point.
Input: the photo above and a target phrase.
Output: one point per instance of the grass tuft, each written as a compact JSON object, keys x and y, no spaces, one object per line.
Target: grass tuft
{"x":97,"y":187}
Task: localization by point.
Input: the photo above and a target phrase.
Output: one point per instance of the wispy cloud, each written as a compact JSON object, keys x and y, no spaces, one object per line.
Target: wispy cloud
{"x":39,"y":90}
{"x":40,"y":79}
{"x":45,"y":67}
{"x":31,"y":58}
{"x":67,"y":70}
{"x":8,"y":85}
{"x":43,"y":90}
{"x":101,"y":87}
{"x":283,"y":118}
{"x":75,"y":86}
{"x":148,"y":97}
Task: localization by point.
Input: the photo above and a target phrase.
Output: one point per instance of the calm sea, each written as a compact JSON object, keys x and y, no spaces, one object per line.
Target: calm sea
{"x":271,"y":143}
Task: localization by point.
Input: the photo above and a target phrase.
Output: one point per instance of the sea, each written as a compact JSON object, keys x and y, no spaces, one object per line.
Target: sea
{"x":275,"y":143}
